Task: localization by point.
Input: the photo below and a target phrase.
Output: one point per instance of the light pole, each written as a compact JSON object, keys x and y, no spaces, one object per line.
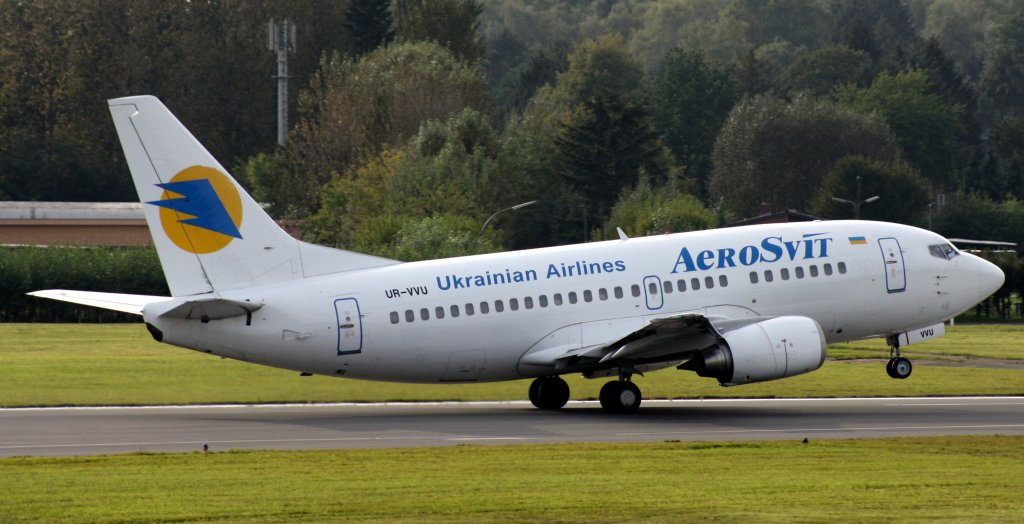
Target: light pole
{"x":511,"y":208}
{"x":857,"y":203}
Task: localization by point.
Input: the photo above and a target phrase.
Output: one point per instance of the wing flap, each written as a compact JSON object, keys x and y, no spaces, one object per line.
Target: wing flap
{"x":664,"y":339}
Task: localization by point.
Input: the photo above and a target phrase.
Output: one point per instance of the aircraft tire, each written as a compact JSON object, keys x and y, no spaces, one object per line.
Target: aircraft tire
{"x":901,"y":368}
{"x":549,"y":393}
{"x":888,"y":368}
{"x":620,"y":397}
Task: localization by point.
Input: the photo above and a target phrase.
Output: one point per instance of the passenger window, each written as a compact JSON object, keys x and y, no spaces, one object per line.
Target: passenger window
{"x":409,"y":315}
{"x":602,"y":294}
{"x":485,"y":308}
{"x":799,"y":272}
{"x":828,"y":269}
{"x":634,"y":290}
{"x":528,"y":302}
{"x":681,"y":285}
{"x":814,"y":270}
{"x":455,"y":311}
{"x":667,"y":286}
{"x":425,"y":314}
{"x":499,"y":306}
{"x":784,"y":274}
{"x":841,"y":267}
{"x":543,"y":300}
{"x":695,"y":284}
{"x":709,"y":282}
{"x":723,"y":280}
{"x":439,"y":312}
{"x":469,"y":310}
{"x":768,"y":277}
{"x":753,"y":277}
{"x":513,"y":304}
{"x":394,"y":317}
{"x":572,"y":297}
{"x":558,"y":299}
{"x":652,"y":288}
{"x":618,"y":292}
{"x":588,"y":296}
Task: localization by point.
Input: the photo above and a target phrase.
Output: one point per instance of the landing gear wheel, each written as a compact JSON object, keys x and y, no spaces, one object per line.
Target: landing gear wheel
{"x":549,"y":392}
{"x":888,"y":368}
{"x":620,"y":397}
{"x":900,"y":368}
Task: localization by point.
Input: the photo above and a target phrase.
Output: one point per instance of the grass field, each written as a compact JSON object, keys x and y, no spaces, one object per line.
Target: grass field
{"x":119,"y":364}
{"x":967,"y":479}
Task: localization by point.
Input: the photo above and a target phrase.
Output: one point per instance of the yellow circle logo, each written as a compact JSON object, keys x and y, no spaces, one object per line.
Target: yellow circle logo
{"x":200,"y":210}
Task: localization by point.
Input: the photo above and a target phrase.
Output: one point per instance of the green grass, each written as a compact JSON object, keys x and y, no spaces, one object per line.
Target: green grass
{"x":114,"y":364}
{"x":1000,"y":341}
{"x":967,"y":479}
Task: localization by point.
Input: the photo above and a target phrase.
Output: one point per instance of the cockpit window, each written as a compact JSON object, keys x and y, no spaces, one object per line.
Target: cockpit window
{"x":946,"y":251}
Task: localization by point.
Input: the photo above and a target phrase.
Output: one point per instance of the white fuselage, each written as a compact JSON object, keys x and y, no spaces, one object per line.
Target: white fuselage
{"x":474,"y":318}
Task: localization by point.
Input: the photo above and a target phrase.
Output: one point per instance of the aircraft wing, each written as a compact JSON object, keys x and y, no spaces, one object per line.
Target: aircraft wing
{"x":124,"y":303}
{"x":665,"y":340}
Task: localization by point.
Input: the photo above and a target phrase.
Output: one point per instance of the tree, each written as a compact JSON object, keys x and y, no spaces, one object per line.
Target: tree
{"x":903,"y":192}
{"x":651,"y":210}
{"x":692,"y":99}
{"x":1003,"y":77}
{"x":454,"y":24}
{"x":964,"y":29}
{"x":604,"y":146}
{"x":356,"y":108}
{"x":968,"y":215}
{"x":448,"y":168}
{"x":439,"y":237}
{"x":883,"y":29}
{"x":369,"y":23}
{"x":801,"y":23}
{"x":925,"y":125}
{"x":601,"y":68}
{"x":819,"y":73}
{"x":774,"y":152}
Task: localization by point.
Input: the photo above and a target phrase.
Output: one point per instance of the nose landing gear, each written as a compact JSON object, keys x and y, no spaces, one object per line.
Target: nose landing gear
{"x":898,"y":366}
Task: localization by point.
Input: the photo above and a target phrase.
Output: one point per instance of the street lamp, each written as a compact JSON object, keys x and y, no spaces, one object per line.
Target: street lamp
{"x":512,"y":208}
{"x":857,"y":203}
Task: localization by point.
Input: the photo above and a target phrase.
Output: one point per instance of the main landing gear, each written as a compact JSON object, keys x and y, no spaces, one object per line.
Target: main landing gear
{"x":617,"y":396}
{"x":549,"y":392}
{"x":898,"y":366}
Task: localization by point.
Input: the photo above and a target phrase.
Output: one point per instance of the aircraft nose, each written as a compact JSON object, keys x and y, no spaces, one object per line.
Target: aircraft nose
{"x":990,"y":278}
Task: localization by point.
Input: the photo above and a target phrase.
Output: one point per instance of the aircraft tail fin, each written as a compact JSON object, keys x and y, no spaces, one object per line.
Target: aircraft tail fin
{"x":209,"y":233}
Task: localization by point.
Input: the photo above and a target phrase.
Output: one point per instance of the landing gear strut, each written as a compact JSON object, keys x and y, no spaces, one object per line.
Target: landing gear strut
{"x":898,"y":366}
{"x":549,"y":392}
{"x":620,"y":396}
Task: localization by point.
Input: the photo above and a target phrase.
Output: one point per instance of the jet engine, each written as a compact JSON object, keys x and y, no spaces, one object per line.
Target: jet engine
{"x":768,"y":350}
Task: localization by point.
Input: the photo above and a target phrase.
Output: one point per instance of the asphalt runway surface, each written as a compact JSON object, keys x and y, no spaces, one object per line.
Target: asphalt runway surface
{"x":86,"y":431}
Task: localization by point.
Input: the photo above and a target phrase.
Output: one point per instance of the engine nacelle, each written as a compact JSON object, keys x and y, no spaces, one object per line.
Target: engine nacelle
{"x":772,"y":349}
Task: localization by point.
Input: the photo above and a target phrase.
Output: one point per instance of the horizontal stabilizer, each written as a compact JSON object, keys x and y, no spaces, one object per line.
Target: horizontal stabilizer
{"x":132,"y":304}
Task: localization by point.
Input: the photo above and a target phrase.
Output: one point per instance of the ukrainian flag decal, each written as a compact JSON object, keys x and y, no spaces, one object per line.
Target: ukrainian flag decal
{"x":858,"y":241}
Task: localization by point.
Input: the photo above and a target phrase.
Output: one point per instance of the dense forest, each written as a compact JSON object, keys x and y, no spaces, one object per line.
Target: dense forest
{"x":415,"y":120}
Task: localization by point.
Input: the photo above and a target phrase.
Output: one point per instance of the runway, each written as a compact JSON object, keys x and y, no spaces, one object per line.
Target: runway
{"x":85,"y":431}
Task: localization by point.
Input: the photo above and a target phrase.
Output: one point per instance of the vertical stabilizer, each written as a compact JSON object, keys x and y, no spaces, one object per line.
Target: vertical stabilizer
{"x":209,"y":233}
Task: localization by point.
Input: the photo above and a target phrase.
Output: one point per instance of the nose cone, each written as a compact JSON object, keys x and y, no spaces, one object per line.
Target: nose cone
{"x":990,"y":278}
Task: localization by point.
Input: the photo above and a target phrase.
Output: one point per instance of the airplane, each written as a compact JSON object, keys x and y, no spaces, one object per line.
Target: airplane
{"x":739,"y":305}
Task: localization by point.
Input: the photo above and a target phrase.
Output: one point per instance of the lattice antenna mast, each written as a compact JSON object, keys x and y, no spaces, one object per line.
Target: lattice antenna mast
{"x":281,"y":40}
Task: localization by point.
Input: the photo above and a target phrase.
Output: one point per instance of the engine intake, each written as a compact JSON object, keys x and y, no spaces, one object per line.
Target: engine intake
{"x":769,"y":350}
